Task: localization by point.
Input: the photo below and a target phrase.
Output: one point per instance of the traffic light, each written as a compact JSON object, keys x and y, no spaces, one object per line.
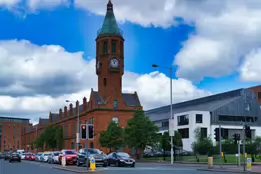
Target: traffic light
{"x":248,"y":131}
{"x":236,"y":138}
{"x":217,"y":134}
{"x":90,"y":131}
{"x":83,"y":132}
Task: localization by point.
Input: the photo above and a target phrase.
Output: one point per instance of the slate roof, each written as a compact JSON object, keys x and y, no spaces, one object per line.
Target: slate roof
{"x":110,"y":25}
{"x":129,"y":99}
{"x":209,"y":103}
{"x":43,"y":121}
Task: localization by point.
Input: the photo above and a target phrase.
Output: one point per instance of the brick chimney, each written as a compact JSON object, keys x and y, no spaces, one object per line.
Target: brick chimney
{"x":77,"y":106}
{"x":84,"y":103}
{"x":50,"y":117}
{"x":65,"y":111}
{"x":61,"y":113}
{"x":71,"y":109}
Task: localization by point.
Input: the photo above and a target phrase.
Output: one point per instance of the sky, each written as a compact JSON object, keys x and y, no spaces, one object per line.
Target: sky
{"x":47,"y":50}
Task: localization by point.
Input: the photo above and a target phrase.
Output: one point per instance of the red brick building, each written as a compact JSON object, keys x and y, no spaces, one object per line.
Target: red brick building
{"x":257,"y":91}
{"x":104,"y":105}
{"x":11,"y":133}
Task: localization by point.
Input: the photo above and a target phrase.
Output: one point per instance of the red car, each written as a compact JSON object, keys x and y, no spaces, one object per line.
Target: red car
{"x":28,"y":156}
{"x":33,"y":157}
{"x":70,"y":155}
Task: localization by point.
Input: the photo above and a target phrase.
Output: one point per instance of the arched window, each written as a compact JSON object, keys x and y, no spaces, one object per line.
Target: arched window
{"x":115,"y":119}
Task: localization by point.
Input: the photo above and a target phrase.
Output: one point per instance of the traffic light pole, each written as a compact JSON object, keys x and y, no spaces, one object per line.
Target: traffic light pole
{"x":220,"y":146}
{"x":244,"y":146}
{"x":238,"y":147}
{"x":87,"y":150}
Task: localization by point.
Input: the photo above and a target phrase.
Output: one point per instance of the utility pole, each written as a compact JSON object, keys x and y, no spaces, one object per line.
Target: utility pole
{"x":220,"y":146}
{"x":171,"y":116}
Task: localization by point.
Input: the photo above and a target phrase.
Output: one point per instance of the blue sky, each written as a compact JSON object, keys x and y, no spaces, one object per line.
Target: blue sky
{"x":75,"y":30}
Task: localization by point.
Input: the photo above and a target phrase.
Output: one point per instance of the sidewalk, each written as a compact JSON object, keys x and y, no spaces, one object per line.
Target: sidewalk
{"x":232,"y":169}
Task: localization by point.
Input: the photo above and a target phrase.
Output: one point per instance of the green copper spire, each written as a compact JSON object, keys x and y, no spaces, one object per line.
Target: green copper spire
{"x":110,"y":25}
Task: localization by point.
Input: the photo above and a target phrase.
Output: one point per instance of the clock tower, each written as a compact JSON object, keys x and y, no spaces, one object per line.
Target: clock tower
{"x":109,"y":56}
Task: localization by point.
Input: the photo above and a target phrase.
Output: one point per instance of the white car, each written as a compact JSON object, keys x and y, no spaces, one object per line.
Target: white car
{"x":22,"y":155}
{"x":38,"y":157}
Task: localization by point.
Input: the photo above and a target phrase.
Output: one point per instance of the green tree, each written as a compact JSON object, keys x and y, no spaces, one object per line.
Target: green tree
{"x":113,"y":137}
{"x":202,"y":145}
{"x":59,"y":137}
{"x":49,"y":137}
{"x":141,"y":132}
{"x":165,"y":143}
{"x":177,"y":140}
{"x":39,"y":142}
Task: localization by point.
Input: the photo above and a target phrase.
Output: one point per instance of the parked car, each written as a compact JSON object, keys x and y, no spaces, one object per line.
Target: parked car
{"x":100,"y":157}
{"x":22,"y":155}
{"x":54,"y":158}
{"x":71,"y":156}
{"x":120,"y":159}
{"x":28,"y":156}
{"x":2,"y":156}
{"x":14,"y":157}
{"x":33,"y":157}
{"x":38,"y":156}
{"x":7,"y":155}
{"x":44,"y":157}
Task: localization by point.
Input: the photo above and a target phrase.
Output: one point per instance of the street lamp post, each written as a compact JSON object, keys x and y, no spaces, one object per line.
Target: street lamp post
{"x":171,"y":103}
{"x":78,"y":123}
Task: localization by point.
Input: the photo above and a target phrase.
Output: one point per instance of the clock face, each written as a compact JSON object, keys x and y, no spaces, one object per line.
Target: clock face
{"x":114,"y":63}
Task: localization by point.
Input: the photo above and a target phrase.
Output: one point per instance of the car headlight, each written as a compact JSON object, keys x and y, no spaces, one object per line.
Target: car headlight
{"x":121,"y":160}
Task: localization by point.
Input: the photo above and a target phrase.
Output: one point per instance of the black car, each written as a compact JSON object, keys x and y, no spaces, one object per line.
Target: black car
{"x":7,"y":155}
{"x":120,"y":159}
{"x":14,"y":157}
{"x":100,"y":158}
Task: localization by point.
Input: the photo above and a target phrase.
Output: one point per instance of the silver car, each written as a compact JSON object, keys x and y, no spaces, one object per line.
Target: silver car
{"x":54,"y":158}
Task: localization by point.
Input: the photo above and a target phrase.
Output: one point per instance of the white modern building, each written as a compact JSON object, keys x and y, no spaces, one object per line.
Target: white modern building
{"x":227,"y":109}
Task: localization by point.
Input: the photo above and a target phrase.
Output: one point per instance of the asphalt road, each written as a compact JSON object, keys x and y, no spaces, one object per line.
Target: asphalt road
{"x":26,"y":167}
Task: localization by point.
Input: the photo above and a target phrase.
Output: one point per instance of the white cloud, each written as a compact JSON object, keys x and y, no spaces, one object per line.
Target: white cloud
{"x":250,"y":69}
{"x":46,"y":4}
{"x":9,"y":3}
{"x":226,"y":30}
{"x":38,"y":79}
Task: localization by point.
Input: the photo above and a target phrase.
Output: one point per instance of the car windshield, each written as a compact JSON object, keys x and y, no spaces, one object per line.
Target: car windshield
{"x":29,"y":154}
{"x":46,"y":154}
{"x":56,"y":154}
{"x":123,"y":155}
{"x":70,"y":153}
{"x":94,"y":151}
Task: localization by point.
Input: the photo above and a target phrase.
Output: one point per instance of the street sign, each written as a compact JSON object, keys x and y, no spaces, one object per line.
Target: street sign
{"x":171,"y":127}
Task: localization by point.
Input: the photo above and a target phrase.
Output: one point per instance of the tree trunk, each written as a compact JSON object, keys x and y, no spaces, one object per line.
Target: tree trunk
{"x":164,"y":156}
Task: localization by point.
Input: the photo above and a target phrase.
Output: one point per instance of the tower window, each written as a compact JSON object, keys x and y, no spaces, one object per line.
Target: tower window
{"x":113,"y":47}
{"x":104,"y":81}
{"x":105,"y":47}
{"x":115,"y":104}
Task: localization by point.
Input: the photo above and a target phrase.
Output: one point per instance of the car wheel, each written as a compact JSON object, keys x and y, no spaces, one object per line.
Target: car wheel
{"x":19,"y":161}
{"x":10,"y":161}
{"x":133,"y":165}
{"x":78,"y":164}
{"x":104,"y":165}
{"x":117,"y":164}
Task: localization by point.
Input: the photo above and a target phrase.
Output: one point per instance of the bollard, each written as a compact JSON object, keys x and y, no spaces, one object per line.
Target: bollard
{"x":92,"y":164}
{"x":210,"y":162}
{"x":249,"y":164}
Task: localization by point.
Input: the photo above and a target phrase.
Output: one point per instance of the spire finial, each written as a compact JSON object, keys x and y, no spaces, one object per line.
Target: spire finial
{"x":109,"y":6}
